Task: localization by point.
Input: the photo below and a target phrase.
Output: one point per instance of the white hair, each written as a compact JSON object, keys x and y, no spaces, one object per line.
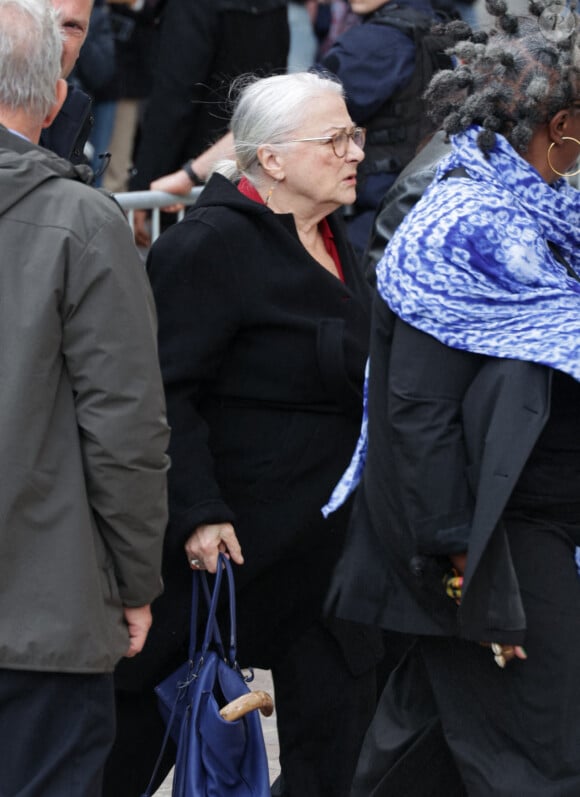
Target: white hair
{"x":269,"y":111}
{"x":30,"y":53}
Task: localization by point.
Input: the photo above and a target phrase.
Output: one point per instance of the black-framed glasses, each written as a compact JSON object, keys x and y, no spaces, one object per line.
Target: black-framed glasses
{"x":339,"y":140}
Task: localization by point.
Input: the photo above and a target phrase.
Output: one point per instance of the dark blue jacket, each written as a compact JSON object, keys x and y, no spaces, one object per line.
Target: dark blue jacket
{"x":373,"y":61}
{"x":67,"y":135}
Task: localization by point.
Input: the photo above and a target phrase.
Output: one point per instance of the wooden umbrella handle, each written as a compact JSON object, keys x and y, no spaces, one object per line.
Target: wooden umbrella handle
{"x":246,"y":703}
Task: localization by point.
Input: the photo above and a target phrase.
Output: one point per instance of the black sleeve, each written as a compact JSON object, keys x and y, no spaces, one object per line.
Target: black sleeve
{"x":186,"y":53}
{"x":427,"y":382}
{"x":398,"y":201}
{"x":199,"y":307}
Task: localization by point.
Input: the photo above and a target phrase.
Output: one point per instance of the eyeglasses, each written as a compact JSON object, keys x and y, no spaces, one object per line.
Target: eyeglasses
{"x":339,"y":140}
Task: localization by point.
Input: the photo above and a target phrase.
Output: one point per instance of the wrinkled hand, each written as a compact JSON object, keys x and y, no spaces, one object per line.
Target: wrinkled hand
{"x":208,"y":541}
{"x":138,"y":620}
{"x":175,"y":183}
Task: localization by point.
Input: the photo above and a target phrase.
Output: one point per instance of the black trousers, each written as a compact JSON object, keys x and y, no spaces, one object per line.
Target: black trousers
{"x":485,"y":730}
{"x":56,"y":731}
{"x":405,"y":751}
{"x":323,"y":707}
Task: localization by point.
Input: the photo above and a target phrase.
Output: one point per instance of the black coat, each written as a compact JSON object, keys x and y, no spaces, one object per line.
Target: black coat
{"x":204,"y":45}
{"x":262,"y":353}
{"x":403,"y":195}
{"x":449,"y":434}
{"x":69,"y":132}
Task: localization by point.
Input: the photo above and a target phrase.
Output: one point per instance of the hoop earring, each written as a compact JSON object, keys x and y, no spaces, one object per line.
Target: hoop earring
{"x":562,"y":174}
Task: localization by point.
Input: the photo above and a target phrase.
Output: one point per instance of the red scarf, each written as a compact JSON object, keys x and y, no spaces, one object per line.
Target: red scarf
{"x":246,"y":188}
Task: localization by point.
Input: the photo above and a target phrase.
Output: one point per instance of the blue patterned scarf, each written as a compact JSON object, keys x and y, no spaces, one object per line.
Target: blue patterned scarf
{"x":471,"y":266}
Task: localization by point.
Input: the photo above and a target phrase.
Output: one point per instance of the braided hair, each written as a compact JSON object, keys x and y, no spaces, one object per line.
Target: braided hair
{"x":513,"y":80}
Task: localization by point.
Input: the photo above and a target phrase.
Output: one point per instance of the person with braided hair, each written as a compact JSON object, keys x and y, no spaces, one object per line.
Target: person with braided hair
{"x":464,"y":526}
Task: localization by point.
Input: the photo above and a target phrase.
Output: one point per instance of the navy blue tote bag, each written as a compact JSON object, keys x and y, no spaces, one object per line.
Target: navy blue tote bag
{"x":211,"y":713}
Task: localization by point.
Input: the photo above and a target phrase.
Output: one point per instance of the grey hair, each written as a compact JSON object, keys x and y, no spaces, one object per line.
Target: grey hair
{"x":30,"y":54}
{"x":269,"y":111}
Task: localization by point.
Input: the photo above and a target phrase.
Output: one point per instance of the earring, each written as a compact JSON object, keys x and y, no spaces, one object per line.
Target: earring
{"x":270,"y":192}
{"x":563,"y":174}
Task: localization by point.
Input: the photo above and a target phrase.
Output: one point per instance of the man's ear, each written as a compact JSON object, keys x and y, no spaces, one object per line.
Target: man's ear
{"x":61,"y":92}
{"x":271,"y":162}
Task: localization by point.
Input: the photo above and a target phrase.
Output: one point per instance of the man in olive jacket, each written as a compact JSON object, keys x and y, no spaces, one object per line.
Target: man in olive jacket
{"x":83,"y":430}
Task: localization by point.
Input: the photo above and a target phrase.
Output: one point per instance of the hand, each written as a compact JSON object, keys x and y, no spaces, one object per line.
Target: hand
{"x":175,"y":183}
{"x":141,"y":228}
{"x":459,"y":562}
{"x":502,"y":654}
{"x":208,"y":541}
{"x":138,"y":620}
{"x":453,"y":582}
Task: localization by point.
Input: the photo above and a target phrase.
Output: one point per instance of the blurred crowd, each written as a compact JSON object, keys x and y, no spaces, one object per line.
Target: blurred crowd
{"x":145,"y":53}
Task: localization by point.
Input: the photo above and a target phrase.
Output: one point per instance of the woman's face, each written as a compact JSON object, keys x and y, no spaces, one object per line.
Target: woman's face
{"x":313,"y":173}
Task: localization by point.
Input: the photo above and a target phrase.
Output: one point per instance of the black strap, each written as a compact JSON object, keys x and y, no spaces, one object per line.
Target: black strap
{"x":562,"y":260}
{"x":458,"y":172}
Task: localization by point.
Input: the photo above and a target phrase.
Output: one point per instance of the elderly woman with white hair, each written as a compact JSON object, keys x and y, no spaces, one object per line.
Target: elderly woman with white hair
{"x":263,"y":332}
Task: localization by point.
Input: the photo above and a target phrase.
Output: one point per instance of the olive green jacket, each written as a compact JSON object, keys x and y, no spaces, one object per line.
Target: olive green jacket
{"x":82,"y":420}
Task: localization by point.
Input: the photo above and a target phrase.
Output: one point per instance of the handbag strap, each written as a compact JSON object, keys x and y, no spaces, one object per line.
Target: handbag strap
{"x":233,"y":645}
{"x":212,"y":631}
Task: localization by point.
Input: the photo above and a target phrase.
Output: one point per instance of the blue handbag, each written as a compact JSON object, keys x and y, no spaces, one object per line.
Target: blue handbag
{"x":210,"y":712}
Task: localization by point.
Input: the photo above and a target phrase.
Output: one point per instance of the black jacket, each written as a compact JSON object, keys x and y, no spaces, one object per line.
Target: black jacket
{"x":449,"y":434}
{"x":262,"y":353}
{"x":68,"y":134}
{"x":203,"y":46}
{"x":404,"y":194}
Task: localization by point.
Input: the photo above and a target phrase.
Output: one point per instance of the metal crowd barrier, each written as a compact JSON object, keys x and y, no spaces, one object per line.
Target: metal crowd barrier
{"x":131,"y":201}
{"x":154,"y":201}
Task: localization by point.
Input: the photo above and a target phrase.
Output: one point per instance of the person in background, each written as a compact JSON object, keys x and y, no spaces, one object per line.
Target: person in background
{"x":303,"y":41}
{"x":263,"y":323}
{"x":466,"y":520}
{"x":402,"y":196}
{"x":136,"y":33}
{"x":385,"y":69}
{"x":68,"y":133}
{"x":333,"y":18}
{"x":95,"y":67}
{"x":203,"y":46}
{"x":83,"y":504}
